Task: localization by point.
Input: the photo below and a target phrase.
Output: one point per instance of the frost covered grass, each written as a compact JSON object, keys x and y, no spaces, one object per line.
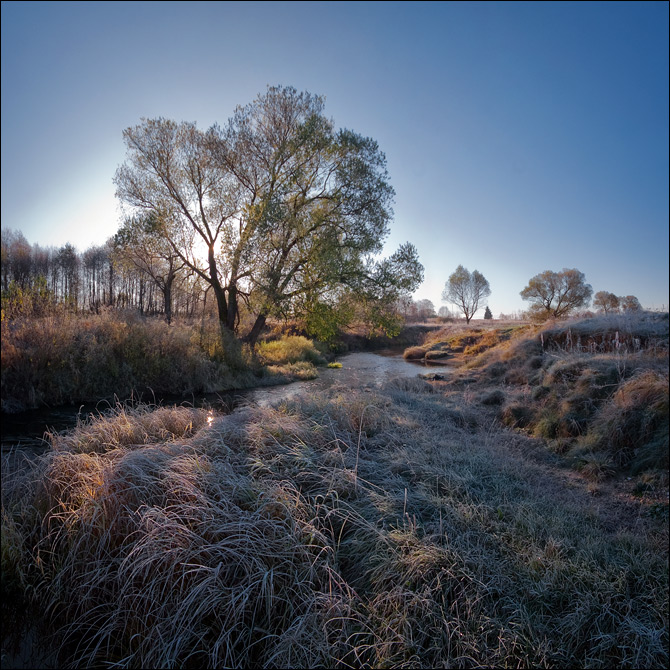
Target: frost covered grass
{"x":399,"y":527}
{"x":595,"y":389}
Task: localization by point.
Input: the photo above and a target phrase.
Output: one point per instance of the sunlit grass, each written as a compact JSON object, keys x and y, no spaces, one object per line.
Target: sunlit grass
{"x":596,"y":389}
{"x":289,"y":349}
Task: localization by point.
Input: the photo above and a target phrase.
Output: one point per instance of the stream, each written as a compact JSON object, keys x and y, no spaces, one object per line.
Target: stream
{"x":26,"y":431}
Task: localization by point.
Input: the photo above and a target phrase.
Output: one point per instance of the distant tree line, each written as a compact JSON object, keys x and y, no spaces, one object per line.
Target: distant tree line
{"x":415,"y":311}
{"x":135,"y":269}
{"x":36,"y":280}
{"x":552,"y":295}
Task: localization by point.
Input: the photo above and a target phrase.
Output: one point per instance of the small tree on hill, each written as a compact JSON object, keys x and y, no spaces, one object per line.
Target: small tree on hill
{"x":466,"y":290}
{"x":487,"y":313}
{"x":606,"y":302}
{"x":556,"y":294}
{"x":630,"y":303}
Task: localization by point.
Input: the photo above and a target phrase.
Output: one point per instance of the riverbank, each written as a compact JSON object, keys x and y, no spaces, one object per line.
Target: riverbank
{"x":69,"y":359}
{"x":72,"y":359}
{"x":25,"y":431}
{"x":595,"y":389}
{"x":395,"y":525}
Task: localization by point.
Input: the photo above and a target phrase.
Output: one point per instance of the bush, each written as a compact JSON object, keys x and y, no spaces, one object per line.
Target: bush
{"x":516,"y":415}
{"x":596,"y":467}
{"x":289,"y":349}
{"x":633,"y":425}
{"x":547,"y":426}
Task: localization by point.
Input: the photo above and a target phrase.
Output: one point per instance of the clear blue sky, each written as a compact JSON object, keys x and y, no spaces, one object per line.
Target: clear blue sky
{"x":520,"y":137}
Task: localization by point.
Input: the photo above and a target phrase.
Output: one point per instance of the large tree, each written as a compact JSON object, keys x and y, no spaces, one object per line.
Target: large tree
{"x":556,"y":294}
{"x":466,"y":290}
{"x":286,"y":209}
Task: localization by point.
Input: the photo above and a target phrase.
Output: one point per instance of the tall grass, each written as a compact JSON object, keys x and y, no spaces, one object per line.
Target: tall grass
{"x":393,"y":528}
{"x":65,"y":358}
{"x":290,"y":349}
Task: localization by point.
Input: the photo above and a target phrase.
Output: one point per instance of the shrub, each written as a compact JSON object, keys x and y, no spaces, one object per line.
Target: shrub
{"x":517,"y":415}
{"x":601,"y":378}
{"x":633,"y":424}
{"x":548,"y":424}
{"x":564,"y":371}
{"x":575,"y":413}
{"x":289,"y":349}
{"x":596,"y":467}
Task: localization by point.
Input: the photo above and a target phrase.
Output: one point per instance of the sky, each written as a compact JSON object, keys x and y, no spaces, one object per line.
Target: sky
{"x":519,"y":137}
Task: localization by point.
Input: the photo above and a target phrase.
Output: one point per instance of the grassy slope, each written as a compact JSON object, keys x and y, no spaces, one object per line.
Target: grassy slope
{"x":595,"y":389}
{"x":404,"y":527}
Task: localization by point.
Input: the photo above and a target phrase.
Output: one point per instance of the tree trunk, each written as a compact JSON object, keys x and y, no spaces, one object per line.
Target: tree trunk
{"x":256,"y":330}
{"x":167,"y":298}
{"x":232,"y":347}
{"x":231,"y":315}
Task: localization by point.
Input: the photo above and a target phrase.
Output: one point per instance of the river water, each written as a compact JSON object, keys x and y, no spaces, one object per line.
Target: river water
{"x":26,"y":431}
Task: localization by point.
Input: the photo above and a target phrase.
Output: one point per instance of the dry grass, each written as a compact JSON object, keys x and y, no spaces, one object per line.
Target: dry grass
{"x":360,"y":529}
{"x":595,"y":389}
{"x":289,"y":349}
{"x":461,"y":341}
{"x":632,"y":428}
{"x":67,"y":359}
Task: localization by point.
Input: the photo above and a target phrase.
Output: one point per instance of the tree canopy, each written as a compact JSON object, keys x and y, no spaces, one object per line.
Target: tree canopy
{"x":277,"y":210}
{"x":466,"y":290}
{"x":556,"y":294}
{"x":630,"y":303}
{"x":609,"y":302}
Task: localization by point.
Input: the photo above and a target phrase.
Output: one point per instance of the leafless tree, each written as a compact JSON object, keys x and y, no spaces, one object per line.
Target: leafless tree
{"x":466,"y":290}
